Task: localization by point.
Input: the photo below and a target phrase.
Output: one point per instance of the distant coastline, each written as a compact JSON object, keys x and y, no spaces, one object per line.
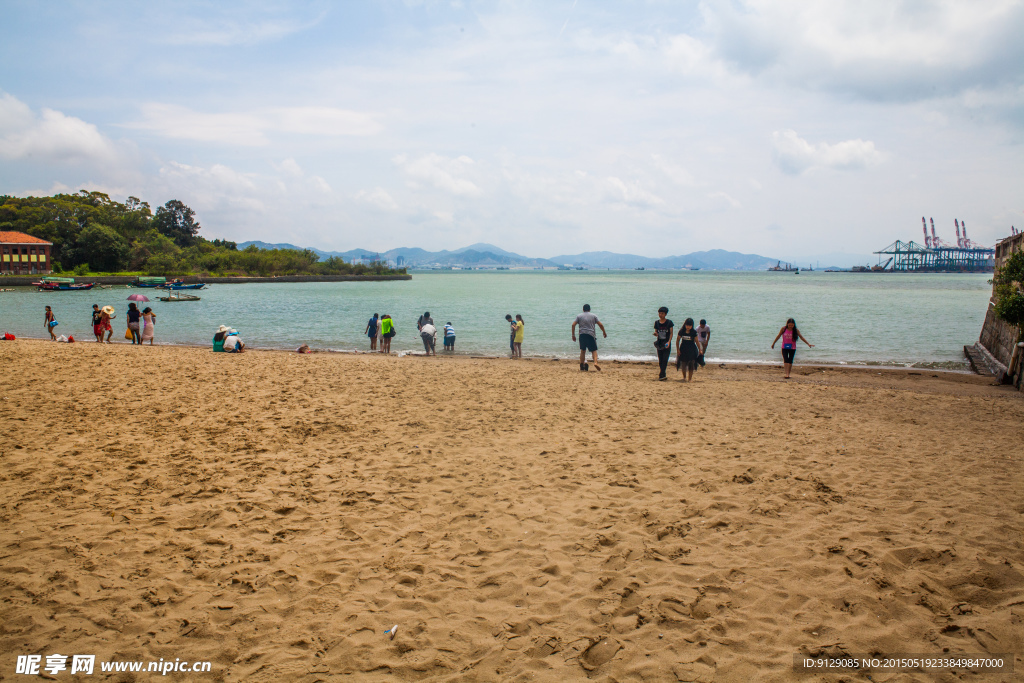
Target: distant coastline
{"x":27,"y":280}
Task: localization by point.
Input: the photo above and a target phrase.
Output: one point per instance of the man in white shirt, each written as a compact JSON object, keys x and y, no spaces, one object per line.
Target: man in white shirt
{"x":428,"y":333}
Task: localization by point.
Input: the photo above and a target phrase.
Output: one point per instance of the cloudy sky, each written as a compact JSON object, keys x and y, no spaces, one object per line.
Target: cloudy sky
{"x":787,"y":128}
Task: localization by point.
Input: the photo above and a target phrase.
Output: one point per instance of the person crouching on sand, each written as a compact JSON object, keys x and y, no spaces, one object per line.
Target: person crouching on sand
{"x":790,"y":334}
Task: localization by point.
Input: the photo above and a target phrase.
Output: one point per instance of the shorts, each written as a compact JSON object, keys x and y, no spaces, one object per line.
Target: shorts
{"x":787,"y":355}
{"x":588,"y":342}
{"x":449,"y":341}
{"x":97,"y":330}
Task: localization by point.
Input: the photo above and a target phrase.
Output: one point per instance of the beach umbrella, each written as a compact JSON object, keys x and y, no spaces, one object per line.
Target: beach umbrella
{"x":137,"y":297}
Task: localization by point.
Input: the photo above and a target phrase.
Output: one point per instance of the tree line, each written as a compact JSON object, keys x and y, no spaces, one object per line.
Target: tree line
{"x":91,"y":232}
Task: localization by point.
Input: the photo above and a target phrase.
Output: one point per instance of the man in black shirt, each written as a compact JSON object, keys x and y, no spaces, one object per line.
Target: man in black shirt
{"x":663,"y":331}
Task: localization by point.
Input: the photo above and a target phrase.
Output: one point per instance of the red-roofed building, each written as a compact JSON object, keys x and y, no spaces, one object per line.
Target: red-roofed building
{"x":22,"y":254}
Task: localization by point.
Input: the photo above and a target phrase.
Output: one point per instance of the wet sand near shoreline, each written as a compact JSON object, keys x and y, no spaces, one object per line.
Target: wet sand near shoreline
{"x":275,"y":513}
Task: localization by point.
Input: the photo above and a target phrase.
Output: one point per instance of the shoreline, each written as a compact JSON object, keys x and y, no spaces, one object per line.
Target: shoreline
{"x":19,"y":281}
{"x":910,"y":369}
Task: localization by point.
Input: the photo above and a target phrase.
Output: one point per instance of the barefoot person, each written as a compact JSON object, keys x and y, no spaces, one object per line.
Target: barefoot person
{"x":133,"y":323}
{"x":588,"y":323}
{"x":517,"y":340}
{"x":790,"y":334}
{"x":387,"y":327}
{"x":97,"y":318}
{"x":148,"y":325}
{"x":511,"y":335}
{"x":49,"y":322}
{"x":449,"y":337}
{"x":371,"y":331}
{"x":687,"y":349}
{"x":703,"y":337}
{"x":428,"y":333}
{"x":663,"y":342}
{"x":106,"y":315}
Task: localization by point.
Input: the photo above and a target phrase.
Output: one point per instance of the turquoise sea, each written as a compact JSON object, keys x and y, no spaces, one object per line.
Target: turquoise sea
{"x":854,"y":318}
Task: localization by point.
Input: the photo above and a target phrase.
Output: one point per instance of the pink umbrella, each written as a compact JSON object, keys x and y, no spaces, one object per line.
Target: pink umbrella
{"x":137,"y":297}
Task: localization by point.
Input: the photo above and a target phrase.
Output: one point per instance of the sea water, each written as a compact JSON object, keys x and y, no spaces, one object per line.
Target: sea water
{"x":853,"y":318}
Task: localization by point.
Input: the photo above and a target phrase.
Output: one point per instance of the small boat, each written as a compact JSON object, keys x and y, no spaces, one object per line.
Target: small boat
{"x":179,"y":297}
{"x":182,"y":285}
{"x":62,"y":284}
{"x":150,"y":281}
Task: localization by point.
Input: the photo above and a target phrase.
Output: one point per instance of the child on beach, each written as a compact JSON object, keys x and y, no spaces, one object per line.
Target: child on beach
{"x":97,"y":318}
{"x":790,"y":334}
{"x":49,"y":322}
{"x":663,"y":342}
{"x":449,"y":337}
{"x":687,"y":350}
{"x":703,"y":337}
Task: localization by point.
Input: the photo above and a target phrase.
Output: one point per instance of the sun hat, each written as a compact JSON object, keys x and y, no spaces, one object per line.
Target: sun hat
{"x":232,"y":331}
{"x":109,"y":310}
{"x":223,"y":328}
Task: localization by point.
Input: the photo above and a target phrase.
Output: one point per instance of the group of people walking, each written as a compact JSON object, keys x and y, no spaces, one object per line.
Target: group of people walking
{"x":141,"y":324}
{"x":691,"y":344}
{"x":691,"y":341}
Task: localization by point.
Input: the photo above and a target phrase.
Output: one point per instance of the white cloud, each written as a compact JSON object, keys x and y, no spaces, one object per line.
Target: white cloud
{"x":795,"y":155}
{"x":632,"y":193}
{"x":324,"y":121}
{"x":252,"y":128}
{"x":442,"y":173}
{"x":377,"y":197}
{"x":230,"y":30}
{"x":51,"y":136}
{"x":883,"y":49}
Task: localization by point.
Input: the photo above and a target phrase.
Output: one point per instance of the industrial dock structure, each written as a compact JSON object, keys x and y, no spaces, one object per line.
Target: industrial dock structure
{"x":937,"y":256}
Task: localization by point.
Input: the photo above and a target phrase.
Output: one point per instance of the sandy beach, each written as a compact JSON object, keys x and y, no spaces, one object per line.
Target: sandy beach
{"x":275,"y":514}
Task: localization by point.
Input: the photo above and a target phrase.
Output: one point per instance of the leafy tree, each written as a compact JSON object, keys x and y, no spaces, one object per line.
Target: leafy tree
{"x":1009,"y":289}
{"x":175,"y":220}
{"x":103,"y":248}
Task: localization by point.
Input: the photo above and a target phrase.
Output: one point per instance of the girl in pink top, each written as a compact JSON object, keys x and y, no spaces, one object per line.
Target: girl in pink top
{"x":790,"y":334}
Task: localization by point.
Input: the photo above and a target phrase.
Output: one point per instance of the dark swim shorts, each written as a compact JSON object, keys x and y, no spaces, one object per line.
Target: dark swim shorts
{"x":588,"y":342}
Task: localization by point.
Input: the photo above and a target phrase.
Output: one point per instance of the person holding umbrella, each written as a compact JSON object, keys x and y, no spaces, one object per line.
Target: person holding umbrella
{"x":133,"y":317}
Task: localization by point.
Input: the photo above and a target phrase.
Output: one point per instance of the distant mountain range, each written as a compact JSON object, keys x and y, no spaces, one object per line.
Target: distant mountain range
{"x":483,"y":255}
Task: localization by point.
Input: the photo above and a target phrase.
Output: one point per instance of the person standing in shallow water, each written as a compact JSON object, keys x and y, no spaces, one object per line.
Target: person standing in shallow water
{"x":588,"y":323}
{"x":371,"y":331}
{"x":663,"y":342}
{"x":687,"y":349}
{"x":790,"y":334}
